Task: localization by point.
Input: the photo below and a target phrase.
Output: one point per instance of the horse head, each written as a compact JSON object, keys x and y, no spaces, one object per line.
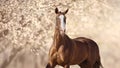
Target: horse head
{"x":61,"y":21}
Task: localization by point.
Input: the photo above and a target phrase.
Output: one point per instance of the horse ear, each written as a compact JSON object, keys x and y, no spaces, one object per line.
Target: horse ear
{"x":66,"y":11}
{"x":56,"y":10}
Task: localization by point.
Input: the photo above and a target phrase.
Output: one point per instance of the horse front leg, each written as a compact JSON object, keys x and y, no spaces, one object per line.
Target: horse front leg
{"x":50,"y":65}
{"x":67,"y":66}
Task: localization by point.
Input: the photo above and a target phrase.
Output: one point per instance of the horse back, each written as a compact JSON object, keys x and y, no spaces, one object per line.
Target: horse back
{"x":87,"y":41}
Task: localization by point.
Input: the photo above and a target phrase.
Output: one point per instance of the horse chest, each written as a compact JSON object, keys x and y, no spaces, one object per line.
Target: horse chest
{"x":62,"y":56}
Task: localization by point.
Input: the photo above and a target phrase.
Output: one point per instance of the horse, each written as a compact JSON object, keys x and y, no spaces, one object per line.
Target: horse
{"x":66,"y":51}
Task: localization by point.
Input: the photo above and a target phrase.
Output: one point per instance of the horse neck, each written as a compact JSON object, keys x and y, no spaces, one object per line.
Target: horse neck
{"x":57,"y":41}
{"x":60,"y":40}
{"x":57,"y":38}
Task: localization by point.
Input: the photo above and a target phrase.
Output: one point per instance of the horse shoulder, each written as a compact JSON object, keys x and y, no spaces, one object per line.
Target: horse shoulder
{"x":63,"y":53}
{"x":52,"y":52}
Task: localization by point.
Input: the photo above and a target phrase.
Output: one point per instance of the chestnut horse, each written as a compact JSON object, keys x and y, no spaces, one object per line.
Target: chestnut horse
{"x":66,"y":51}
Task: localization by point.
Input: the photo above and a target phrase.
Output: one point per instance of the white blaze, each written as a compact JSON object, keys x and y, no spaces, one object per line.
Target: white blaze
{"x":62,"y":22}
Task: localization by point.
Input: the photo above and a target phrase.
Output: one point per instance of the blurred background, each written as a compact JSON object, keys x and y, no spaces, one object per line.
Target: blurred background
{"x":27,"y":28}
